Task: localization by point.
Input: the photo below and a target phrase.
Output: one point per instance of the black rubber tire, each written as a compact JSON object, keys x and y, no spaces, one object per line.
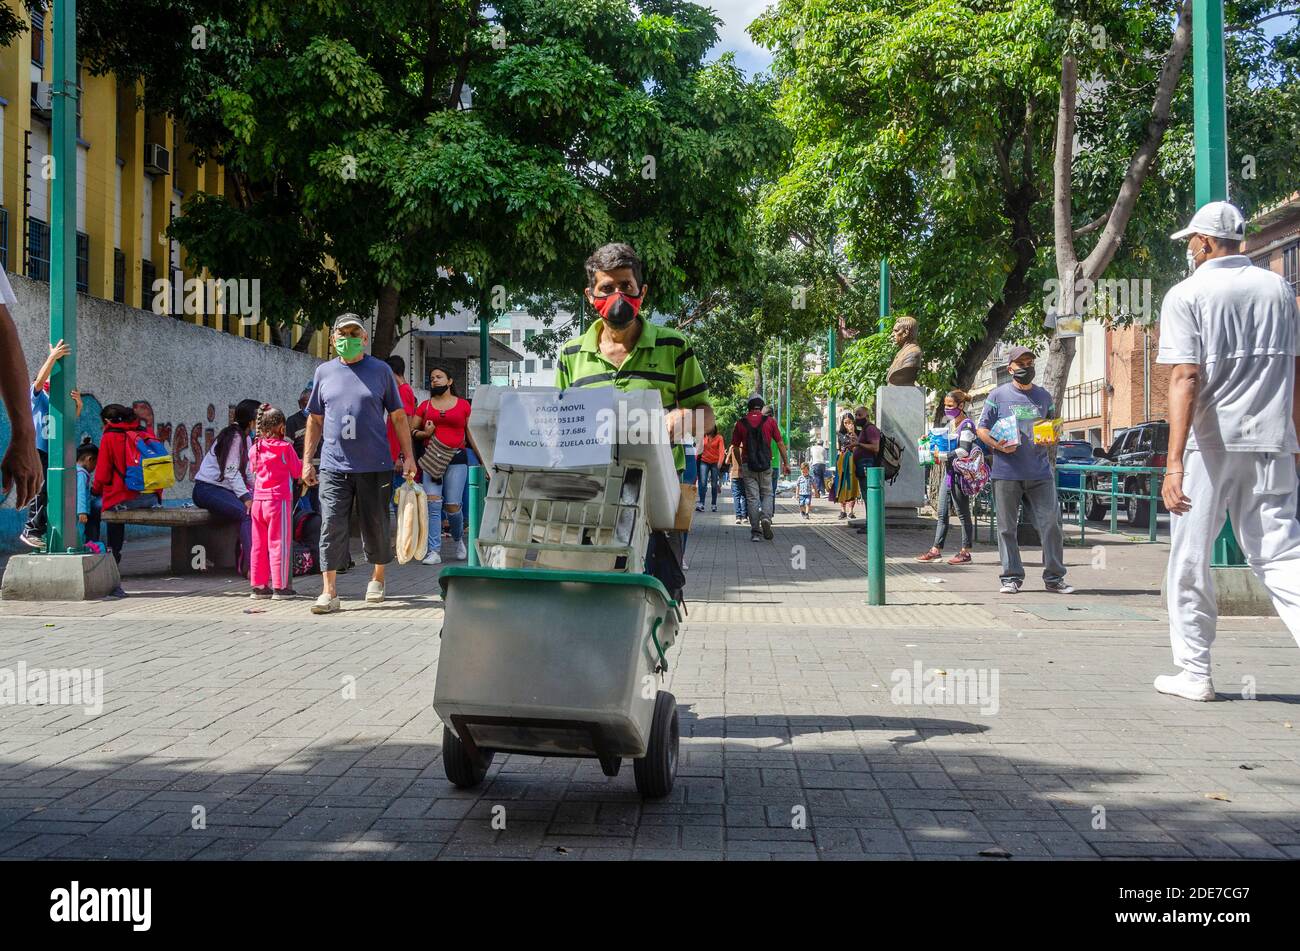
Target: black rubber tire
{"x":462,"y":770}
{"x":656,"y":771}
{"x":1098,"y":507}
{"x":1138,"y":511}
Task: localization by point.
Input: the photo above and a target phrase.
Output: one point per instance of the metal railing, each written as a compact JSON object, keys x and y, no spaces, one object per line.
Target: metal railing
{"x":983,"y":508}
{"x":1152,"y":475}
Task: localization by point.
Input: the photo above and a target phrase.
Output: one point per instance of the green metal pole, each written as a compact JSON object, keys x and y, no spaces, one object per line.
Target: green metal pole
{"x":885,"y":301}
{"x":831,"y":448}
{"x":62,"y":479}
{"x":789,"y":377}
{"x":474,"y":515}
{"x":875,"y":536}
{"x":484,"y":370}
{"x":1210,"y":131}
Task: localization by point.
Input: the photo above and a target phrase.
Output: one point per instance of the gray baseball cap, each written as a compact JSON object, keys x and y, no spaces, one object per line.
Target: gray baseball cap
{"x":348,"y":320}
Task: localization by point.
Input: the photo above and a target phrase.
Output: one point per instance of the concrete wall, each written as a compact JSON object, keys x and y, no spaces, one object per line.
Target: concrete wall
{"x":193,"y":376}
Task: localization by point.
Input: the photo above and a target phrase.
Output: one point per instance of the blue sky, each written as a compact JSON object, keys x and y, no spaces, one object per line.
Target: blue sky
{"x":736,"y":15}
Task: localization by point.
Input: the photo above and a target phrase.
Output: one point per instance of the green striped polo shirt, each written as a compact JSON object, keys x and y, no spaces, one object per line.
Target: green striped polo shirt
{"x":662,"y":360}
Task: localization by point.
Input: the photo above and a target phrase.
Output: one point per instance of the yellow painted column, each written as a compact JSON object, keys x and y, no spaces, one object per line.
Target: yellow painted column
{"x":99,"y":128}
{"x":131,"y":151}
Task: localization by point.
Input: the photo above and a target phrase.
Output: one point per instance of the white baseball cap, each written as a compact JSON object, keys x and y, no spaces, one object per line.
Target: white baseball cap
{"x":1218,"y":219}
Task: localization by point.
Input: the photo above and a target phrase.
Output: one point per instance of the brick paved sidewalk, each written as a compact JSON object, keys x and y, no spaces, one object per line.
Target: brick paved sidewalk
{"x":793,"y":745}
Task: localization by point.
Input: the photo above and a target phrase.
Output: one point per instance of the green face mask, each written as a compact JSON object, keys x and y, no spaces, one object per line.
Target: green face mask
{"x":349,"y":348}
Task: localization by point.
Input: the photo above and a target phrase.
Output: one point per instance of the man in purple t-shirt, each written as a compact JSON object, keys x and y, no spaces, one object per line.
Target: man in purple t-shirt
{"x":345,"y":417}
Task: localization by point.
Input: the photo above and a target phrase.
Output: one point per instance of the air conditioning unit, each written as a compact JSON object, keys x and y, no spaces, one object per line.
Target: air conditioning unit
{"x":42,"y":99}
{"x":157,"y":159}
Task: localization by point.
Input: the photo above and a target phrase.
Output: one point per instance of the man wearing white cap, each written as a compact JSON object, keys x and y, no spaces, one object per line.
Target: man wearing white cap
{"x":1230,"y":332}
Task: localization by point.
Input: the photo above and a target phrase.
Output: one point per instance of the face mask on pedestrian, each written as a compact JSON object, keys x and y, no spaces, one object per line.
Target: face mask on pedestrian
{"x":349,"y":348}
{"x":439,"y":390}
{"x":1023,"y":374}
{"x":617,"y":309}
{"x":952,"y":412}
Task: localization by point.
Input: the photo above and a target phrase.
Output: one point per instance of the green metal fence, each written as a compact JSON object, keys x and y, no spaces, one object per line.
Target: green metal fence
{"x":1112,"y":490}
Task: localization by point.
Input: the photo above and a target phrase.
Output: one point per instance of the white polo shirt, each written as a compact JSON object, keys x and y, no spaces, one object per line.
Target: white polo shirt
{"x":1238,"y":323}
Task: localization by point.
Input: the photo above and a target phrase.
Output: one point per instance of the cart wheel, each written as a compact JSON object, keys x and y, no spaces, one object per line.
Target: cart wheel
{"x":462,"y":769}
{"x":655,"y":771}
{"x":609,"y":765}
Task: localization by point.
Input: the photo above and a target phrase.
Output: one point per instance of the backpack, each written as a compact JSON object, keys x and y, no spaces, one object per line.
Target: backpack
{"x":890,"y":457}
{"x":758,"y":452}
{"x":305,"y":561}
{"x":306,"y":524}
{"x":971,"y":474}
{"x":149,"y":465}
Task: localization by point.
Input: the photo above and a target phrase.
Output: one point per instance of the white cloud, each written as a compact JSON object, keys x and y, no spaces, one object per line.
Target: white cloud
{"x":736,"y":15}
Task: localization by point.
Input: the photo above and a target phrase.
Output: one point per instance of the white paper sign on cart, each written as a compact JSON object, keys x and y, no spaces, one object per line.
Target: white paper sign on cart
{"x":543,"y":431}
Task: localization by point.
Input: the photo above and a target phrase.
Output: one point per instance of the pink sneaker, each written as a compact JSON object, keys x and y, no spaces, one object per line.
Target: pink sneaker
{"x":932,"y":555}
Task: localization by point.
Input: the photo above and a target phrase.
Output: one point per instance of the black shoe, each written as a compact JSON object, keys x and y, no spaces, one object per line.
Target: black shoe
{"x":283,"y":594}
{"x":755,"y":537}
{"x":117,"y":593}
{"x":765,"y":526}
{"x":843,"y":515}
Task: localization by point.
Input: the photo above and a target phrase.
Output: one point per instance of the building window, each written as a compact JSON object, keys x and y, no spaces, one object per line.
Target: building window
{"x":516,"y":336}
{"x":548,"y":364}
{"x":4,"y":238}
{"x":38,"y":37}
{"x":530,"y":366}
{"x":147,"y":273}
{"x":1291,"y":264}
{"x":119,"y":276}
{"x":529,"y":334}
{"x":83,"y":262}
{"x":38,"y":250}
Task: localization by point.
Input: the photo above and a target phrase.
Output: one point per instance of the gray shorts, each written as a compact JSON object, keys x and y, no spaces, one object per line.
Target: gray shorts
{"x":368,"y":493}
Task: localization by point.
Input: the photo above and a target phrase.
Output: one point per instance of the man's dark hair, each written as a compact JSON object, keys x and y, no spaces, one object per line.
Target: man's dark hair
{"x":612,"y":257}
{"x":396,"y":364}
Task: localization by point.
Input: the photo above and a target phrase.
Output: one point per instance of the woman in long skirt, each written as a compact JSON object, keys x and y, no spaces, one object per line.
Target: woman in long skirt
{"x":846,"y":483}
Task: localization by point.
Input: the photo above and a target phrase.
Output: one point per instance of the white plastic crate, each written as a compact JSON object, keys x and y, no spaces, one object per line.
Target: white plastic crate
{"x":566,"y":519}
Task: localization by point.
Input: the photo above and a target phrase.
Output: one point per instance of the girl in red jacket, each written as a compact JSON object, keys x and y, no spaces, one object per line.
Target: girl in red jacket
{"x":275,"y":465}
{"x":115,"y":453}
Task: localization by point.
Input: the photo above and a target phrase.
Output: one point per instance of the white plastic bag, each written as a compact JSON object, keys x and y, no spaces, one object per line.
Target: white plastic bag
{"x":412,"y":522}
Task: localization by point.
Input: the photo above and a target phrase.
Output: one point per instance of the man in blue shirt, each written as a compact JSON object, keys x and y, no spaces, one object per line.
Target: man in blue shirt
{"x":1022,"y":471}
{"x":345,"y":418}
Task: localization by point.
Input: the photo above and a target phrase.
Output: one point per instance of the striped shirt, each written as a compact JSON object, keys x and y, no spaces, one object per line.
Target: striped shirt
{"x":662,"y":360}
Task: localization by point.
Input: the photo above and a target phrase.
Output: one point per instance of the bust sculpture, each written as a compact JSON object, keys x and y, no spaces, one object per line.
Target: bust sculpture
{"x":907,"y":362}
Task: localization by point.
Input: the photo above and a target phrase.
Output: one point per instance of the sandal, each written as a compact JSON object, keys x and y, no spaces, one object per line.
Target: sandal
{"x":961,"y":558}
{"x":933,"y":554}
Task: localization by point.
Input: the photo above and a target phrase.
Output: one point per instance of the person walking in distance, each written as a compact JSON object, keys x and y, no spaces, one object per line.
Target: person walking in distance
{"x":275,"y":465}
{"x":1230,"y":333}
{"x":817,"y":468}
{"x":735,"y":462}
{"x":349,"y":398}
{"x":754,"y":434}
{"x":707,"y":465}
{"x":1022,"y":472}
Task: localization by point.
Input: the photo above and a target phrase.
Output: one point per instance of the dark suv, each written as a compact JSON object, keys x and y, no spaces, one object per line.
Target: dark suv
{"x":1145,"y":444}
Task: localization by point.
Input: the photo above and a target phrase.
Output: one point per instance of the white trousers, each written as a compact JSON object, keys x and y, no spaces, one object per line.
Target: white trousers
{"x":1258,"y":491}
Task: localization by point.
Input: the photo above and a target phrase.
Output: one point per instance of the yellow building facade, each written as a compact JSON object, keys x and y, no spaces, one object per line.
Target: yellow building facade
{"x":134,"y":173}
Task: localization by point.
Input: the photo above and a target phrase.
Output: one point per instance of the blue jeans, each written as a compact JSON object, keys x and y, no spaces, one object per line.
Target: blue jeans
{"x":451,"y":487}
{"x":738,"y":498}
{"x":707,"y":471}
{"x":223,"y":503}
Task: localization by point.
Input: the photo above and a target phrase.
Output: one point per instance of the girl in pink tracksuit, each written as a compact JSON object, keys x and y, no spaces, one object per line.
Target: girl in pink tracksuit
{"x":275,"y":465}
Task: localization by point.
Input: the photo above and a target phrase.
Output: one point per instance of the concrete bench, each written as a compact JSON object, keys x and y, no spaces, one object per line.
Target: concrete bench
{"x":195,"y":533}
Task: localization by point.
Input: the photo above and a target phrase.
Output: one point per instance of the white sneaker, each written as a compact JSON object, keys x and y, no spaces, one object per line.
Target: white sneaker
{"x":1185,"y":685}
{"x":461,"y":552}
{"x":1009,"y":587}
{"x":433,"y":558}
{"x":325,"y":604}
{"x":375,"y":592}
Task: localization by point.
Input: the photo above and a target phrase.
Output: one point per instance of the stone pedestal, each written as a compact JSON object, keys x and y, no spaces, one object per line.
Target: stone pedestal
{"x":900,"y":413}
{"x":1237,"y":593}
{"x":59,"y":577}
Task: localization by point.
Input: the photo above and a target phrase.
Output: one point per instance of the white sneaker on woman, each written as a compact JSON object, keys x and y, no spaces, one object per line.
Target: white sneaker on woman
{"x":1185,"y":685}
{"x":461,"y":553}
{"x":433,"y":558}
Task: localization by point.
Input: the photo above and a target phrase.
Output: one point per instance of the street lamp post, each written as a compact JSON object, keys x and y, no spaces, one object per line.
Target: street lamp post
{"x":62,"y":478}
{"x":1210,"y":131}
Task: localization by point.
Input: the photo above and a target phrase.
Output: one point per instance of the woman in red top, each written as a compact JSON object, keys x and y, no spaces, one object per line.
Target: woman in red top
{"x":445,"y":416}
{"x":707,"y":463}
{"x":116,"y":452}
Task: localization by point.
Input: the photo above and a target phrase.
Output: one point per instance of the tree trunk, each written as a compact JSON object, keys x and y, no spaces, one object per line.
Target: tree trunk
{"x":758,"y":372}
{"x":308,"y":334}
{"x":1060,"y":354}
{"x":381,"y":344}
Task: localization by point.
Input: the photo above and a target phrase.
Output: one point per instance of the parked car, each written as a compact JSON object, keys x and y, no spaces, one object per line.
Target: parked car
{"x":1074,"y":452}
{"x":1146,"y":444}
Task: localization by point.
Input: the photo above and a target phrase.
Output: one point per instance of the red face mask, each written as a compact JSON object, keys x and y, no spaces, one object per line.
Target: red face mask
{"x":617,"y":309}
